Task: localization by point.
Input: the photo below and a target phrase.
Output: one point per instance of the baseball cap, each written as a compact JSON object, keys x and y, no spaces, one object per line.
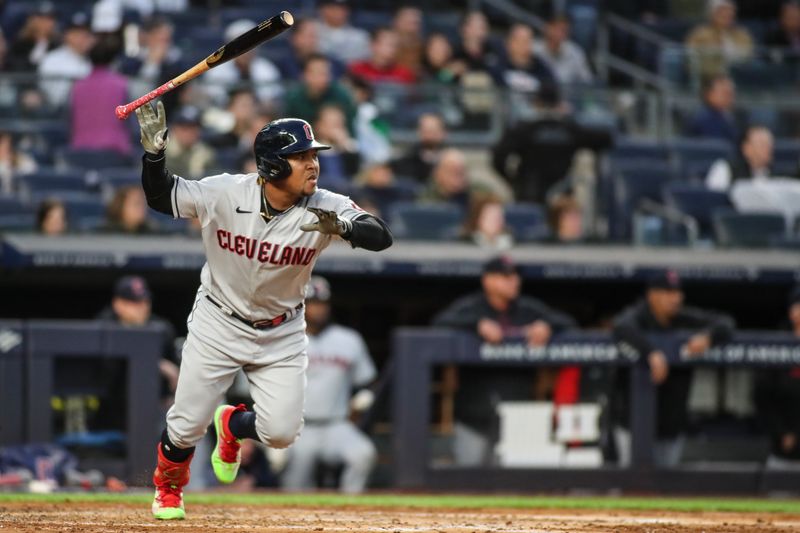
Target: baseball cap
{"x":78,"y":20}
{"x":188,"y":115}
{"x":238,"y":27}
{"x":502,"y":264}
{"x":133,"y":288}
{"x":47,"y":9}
{"x":667,"y":279}
{"x":318,"y":289}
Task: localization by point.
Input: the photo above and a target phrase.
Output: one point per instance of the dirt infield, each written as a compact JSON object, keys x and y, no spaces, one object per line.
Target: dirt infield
{"x":91,"y":517}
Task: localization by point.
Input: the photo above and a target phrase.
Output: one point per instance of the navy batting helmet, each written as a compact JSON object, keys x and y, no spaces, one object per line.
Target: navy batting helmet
{"x":280,"y":138}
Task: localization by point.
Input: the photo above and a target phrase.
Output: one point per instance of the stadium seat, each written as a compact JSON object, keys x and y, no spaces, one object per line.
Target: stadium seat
{"x":695,"y":156}
{"x":432,"y":222}
{"x":385,"y":197}
{"x":630,"y":187}
{"x":748,"y":230}
{"x":698,"y":202}
{"x":370,"y":20}
{"x":786,"y":157}
{"x":13,"y":205}
{"x":527,"y":221}
{"x":112,"y":178}
{"x":762,"y":76}
{"x":94,"y":159}
{"x":51,"y":182}
{"x":18,"y":222}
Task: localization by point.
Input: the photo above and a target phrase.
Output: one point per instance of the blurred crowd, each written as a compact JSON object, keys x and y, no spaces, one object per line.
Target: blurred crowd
{"x":68,"y":65}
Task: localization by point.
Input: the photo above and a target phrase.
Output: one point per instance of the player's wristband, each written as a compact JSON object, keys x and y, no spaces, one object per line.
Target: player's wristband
{"x":346,"y":228}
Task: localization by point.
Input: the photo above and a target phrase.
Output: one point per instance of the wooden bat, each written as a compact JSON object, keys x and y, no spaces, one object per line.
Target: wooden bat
{"x":269,"y":29}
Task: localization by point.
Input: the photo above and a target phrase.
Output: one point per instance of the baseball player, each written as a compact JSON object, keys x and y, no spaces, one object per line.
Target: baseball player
{"x":338,"y":362}
{"x":262,"y":234}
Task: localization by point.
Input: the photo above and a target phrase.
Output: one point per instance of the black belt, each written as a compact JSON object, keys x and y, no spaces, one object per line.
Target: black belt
{"x":258,"y":324}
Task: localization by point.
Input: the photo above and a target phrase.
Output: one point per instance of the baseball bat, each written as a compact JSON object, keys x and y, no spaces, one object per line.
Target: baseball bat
{"x":269,"y":29}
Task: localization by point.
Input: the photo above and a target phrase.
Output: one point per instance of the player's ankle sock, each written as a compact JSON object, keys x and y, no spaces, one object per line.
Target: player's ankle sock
{"x":172,"y":452}
{"x":242,"y":425}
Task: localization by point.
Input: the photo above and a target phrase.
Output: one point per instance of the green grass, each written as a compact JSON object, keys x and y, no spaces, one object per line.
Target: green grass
{"x":450,"y":501}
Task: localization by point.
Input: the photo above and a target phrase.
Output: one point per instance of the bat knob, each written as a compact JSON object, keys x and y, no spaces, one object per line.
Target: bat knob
{"x":122,"y":112}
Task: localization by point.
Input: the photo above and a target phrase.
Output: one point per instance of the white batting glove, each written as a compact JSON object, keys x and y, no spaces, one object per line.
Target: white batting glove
{"x":328,"y":223}
{"x":153,"y":125}
{"x":362,"y":400}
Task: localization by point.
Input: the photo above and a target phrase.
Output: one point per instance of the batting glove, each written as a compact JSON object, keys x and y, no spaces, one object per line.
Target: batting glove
{"x":153,"y":125}
{"x":328,"y":223}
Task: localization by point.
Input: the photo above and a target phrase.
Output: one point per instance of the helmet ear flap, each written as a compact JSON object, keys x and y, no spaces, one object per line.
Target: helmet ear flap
{"x":274,"y":168}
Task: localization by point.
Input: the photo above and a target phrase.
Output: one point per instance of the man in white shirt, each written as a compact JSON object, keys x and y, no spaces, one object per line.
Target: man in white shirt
{"x":565,"y":58}
{"x":337,"y":38}
{"x":69,"y":62}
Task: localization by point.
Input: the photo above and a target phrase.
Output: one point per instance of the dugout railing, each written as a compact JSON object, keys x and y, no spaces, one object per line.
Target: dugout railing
{"x":418,"y":351}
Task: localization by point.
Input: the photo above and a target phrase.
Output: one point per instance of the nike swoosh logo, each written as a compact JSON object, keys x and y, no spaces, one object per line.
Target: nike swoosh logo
{"x":240,"y":210}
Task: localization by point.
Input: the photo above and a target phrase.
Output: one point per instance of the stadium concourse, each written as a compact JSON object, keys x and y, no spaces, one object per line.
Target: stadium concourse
{"x":597,"y":205}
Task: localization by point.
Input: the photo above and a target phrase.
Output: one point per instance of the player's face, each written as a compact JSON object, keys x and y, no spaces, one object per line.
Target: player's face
{"x":665,"y":302}
{"x":305,"y":173}
{"x":317,"y":313}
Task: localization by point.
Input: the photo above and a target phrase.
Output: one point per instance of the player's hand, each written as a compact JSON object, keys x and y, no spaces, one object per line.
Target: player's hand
{"x":659,"y":368}
{"x":538,"y":333}
{"x":328,"y":223}
{"x":490,"y":331}
{"x":153,"y":125}
{"x":698,"y":344}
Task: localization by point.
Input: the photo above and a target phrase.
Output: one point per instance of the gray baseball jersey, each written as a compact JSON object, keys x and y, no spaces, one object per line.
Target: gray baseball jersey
{"x":259,"y":270}
{"x":338,"y":360}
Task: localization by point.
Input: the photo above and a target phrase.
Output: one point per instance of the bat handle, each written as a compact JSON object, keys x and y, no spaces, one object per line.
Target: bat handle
{"x":123,"y":111}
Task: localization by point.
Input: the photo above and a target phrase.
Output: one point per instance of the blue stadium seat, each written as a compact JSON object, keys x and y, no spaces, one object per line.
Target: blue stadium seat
{"x":385,"y":197}
{"x":748,"y":230}
{"x":52,"y":182}
{"x":628,"y":151}
{"x":370,"y":20}
{"x":95,"y":159}
{"x":167,"y":224}
{"x":431,"y":222}
{"x":13,"y":205}
{"x":527,"y":221}
{"x":630,"y":187}
{"x":18,"y":222}
{"x":786,"y":156}
{"x":698,"y":202}
{"x":695,"y":155}
{"x":758,"y":75}
{"x":112,"y":178}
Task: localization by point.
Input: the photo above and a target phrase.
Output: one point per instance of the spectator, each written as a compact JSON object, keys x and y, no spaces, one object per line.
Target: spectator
{"x":337,"y":38}
{"x":565,"y":59}
{"x":382,"y":65}
{"x":371,"y":130}
{"x":438,"y":64}
{"x":68,"y":62}
{"x":317,"y":89}
{"x":339,"y":164}
{"x":753,"y":163}
{"x":777,"y":394}
{"x":407,"y":24}
{"x":378,"y":189}
{"x":719,"y":43}
{"x":787,"y":35}
{"x":12,"y":162}
{"x":662,"y":311}
{"x":3,"y":51}
{"x":131,"y":306}
{"x":498,"y":313}
{"x":474,"y":52}
{"x":566,"y":219}
{"x":716,"y":118}
{"x":338,"y":362}
{"x":236,"y":120}
{"x":51,"y":218}
{"x":486,"y":224}
{"x":519,"y":70}
{"x":189,"y":157}
{"x":127,"y":212}
{"x":93,"y":127}
{"x":449,"y":182}
{"x":244,"y":69}
{"x":304,"y":44}
{"x":158,"y":60}
{"x":418,"y":162}
{"x":545,"y":147}
{"x":38,"y":36}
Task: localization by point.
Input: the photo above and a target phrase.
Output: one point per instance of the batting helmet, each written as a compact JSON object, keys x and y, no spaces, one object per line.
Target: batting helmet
{"x":278,"y":139}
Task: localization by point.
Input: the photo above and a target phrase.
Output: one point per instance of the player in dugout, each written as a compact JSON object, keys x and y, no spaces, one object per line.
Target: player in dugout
{"x":338,"y":363}
{"x":262,"y":234}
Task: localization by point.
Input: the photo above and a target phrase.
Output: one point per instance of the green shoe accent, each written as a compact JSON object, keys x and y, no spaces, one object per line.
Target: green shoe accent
{"x":225,"y":472}
{"x":170,"y":513}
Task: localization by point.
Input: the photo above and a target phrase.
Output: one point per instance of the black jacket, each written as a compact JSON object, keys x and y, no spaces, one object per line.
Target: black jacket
{"x":545,"y":148}
{"x":778,"y":398}
{"x":466,"y":312}
{"x":631,"y":328}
